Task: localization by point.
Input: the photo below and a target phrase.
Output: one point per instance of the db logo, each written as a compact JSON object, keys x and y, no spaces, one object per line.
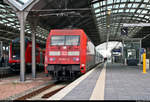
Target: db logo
{"x":64,"y":53}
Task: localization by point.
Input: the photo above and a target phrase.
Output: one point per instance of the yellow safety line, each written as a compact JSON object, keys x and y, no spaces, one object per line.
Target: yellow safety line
{"x":98,"y":92}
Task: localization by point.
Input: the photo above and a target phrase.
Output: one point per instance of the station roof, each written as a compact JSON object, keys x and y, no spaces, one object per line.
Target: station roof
{"x":89,"y":15}
{"x":10,"y":27}
{"x":122,"y":11}
{"x":62,"y":14}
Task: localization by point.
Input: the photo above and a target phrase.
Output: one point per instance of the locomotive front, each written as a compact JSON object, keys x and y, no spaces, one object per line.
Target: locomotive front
{"x":63,"y":54}
{"x":14,"y":55}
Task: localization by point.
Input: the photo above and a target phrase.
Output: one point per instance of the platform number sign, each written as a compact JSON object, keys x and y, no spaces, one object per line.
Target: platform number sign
{"x":21,"y":4}
{"x":124,"y":31}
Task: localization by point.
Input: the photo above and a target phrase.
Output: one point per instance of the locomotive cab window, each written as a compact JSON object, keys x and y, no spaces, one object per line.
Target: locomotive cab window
{"x":57,"y":40}
{"x":16,"y":50}
{"x":72,"y":40}
{"x":65,"y":40}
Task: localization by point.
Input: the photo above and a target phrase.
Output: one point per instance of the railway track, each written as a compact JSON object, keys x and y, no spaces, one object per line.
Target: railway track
{"x":44,"y":92}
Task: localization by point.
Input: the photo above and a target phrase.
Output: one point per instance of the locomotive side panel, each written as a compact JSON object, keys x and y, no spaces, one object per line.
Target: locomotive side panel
{"x":83,"y":51}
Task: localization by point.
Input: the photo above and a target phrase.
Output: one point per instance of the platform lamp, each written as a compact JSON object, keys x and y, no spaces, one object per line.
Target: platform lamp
{"x":108,"y":27}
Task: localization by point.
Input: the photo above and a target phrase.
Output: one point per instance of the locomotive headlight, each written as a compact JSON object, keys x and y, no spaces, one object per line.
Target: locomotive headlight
{"x":45,"y":65}
{"x":76,"y":59}
{"x":13,"y":63}
{"x":82,"y":65}
{"x":64,"y":47}
{"x":14,"y":56}
{"x":51,"y":59}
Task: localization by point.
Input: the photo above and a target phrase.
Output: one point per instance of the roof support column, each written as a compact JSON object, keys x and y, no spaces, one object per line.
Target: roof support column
{"x":1,"y":48}
{"x":33,"y":55}
{"x":108,"y":28}
{"x":22,"y":15}
{"x":33,"y":27}
{"x":123,"y":62}
{"x":22,"y":45}
{"x":140,"y":53}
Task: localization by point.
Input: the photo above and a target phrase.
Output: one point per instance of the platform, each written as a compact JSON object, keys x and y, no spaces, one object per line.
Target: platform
{"x":108,"y":82}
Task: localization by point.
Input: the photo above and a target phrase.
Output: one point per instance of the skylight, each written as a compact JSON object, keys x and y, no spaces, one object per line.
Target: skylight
{"x":96,"y":5}
{"x":133,"y":11}
{"x":21,"y":2}
{"x":98,"y":10}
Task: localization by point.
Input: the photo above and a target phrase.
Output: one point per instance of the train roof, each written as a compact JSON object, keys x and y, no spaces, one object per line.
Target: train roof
{"x":69,"y":30}
{"x":75,"y":30}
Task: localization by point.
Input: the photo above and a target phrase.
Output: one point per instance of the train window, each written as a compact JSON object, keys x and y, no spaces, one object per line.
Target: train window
{"x":16,"y":49}
{"x":72,"y":40}
{"x":65,"y":40}
{"x":57,"y":40}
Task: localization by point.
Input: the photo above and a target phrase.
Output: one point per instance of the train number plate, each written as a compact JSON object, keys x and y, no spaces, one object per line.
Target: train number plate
{"x":63,"y":59}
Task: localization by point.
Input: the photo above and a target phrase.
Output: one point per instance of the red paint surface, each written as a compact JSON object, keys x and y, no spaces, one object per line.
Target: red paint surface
{"x":64,"y":58}
{"x":28,"y":54}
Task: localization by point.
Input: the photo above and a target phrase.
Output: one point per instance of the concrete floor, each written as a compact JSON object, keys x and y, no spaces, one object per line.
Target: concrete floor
{"x":120,"y":83}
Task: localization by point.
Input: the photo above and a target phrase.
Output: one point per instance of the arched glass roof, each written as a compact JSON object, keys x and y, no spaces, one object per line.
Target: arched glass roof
{"x":122,"y":11}
{"x":10,"y":27}
{"x":74,"y":13}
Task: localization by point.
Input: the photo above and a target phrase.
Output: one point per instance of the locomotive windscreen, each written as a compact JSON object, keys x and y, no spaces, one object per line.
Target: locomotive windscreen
{"x":65,"y":40}
{"x":16,"y":48}
{"x":16,"y":51}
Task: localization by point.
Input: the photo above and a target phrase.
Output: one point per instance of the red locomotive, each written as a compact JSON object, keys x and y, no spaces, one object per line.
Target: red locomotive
{"x":69,"y":53}
{"x":14,"y":55}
